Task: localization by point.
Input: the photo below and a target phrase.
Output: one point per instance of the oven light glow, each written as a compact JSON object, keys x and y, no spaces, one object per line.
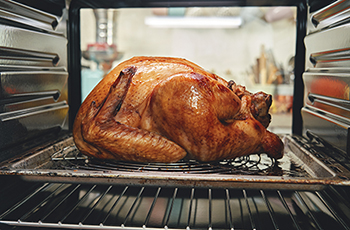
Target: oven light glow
{"x":194,"y":22}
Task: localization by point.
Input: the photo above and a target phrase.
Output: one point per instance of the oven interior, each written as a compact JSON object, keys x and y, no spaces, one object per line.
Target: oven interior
{"x":50,"y":184}
{"x":100,"y":206}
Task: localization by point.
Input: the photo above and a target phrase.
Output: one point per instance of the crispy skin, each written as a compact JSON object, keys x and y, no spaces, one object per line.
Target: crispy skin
{"x":153,"y":109}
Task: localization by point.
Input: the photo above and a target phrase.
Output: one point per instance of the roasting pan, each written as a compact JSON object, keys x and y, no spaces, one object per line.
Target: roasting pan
{"x":306,"y":165}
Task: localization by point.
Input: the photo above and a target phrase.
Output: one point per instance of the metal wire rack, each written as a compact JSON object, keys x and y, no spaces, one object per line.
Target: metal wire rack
{"x":303,"y":167}
{"x":83,"y":206}
{"x":70,"y":158}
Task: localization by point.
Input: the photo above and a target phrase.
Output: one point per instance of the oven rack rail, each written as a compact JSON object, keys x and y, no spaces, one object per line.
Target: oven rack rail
{"x":81,"y":206}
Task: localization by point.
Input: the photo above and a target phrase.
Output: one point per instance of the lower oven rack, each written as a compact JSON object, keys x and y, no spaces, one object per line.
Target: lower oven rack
{"x":92,"y":206}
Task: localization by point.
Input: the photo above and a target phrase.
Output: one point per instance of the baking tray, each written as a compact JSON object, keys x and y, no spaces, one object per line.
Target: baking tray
{"x":306,"y":165}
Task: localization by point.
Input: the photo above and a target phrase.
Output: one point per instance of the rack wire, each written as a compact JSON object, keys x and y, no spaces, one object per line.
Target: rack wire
{"x":70,"y":158}
{"x":91,"y":206}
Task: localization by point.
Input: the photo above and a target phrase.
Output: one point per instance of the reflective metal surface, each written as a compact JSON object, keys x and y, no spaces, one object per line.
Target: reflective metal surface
{"x":331,"y":15}
{"x":331,"y":128}
{"x":27,"y":16}
{"x":305,"y":166}
{"x":327,"y":93}
{"x":33,"y":73}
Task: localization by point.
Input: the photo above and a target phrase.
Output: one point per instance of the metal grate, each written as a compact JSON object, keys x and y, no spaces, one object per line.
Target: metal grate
{"x":305,"y":166}
{"x":83,"y":206}
{"x":254,"y":164}
{"x":70,"y":158}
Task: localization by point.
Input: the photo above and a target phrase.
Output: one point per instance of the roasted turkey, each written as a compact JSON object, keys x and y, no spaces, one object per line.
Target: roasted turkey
{"x":159,"y":109}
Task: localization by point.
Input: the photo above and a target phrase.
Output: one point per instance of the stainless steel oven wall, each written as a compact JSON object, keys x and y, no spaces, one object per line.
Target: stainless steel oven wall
{"x":327,"y":77}
{"x":33,"y":71}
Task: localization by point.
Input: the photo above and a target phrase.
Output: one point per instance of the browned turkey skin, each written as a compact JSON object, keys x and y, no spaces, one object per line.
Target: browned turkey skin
{"x":157,"y":109}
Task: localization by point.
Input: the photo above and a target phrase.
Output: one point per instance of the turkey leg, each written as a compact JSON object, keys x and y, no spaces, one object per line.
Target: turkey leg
{"x":112,"y":138}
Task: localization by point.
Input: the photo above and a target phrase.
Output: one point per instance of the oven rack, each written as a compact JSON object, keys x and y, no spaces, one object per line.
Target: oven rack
{"x":306,"y":165}
{"x":255,"y":164}
{"x":82,"y":206}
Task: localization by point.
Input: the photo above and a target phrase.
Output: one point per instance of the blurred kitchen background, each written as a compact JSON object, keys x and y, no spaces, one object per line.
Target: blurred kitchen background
{"x":254,"y":46}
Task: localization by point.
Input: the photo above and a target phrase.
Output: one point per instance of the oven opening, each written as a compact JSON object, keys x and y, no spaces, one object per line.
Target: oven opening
{"x":254,"y":46}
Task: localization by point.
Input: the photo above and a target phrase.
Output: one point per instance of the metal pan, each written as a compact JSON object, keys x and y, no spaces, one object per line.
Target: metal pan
{"x":305,"y":166}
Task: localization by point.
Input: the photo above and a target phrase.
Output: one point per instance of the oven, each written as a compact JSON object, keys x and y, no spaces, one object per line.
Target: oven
{"x":48,"y":184}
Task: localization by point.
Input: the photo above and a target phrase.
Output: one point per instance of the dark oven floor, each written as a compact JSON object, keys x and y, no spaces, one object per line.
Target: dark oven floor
{"x":99,"y":206}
